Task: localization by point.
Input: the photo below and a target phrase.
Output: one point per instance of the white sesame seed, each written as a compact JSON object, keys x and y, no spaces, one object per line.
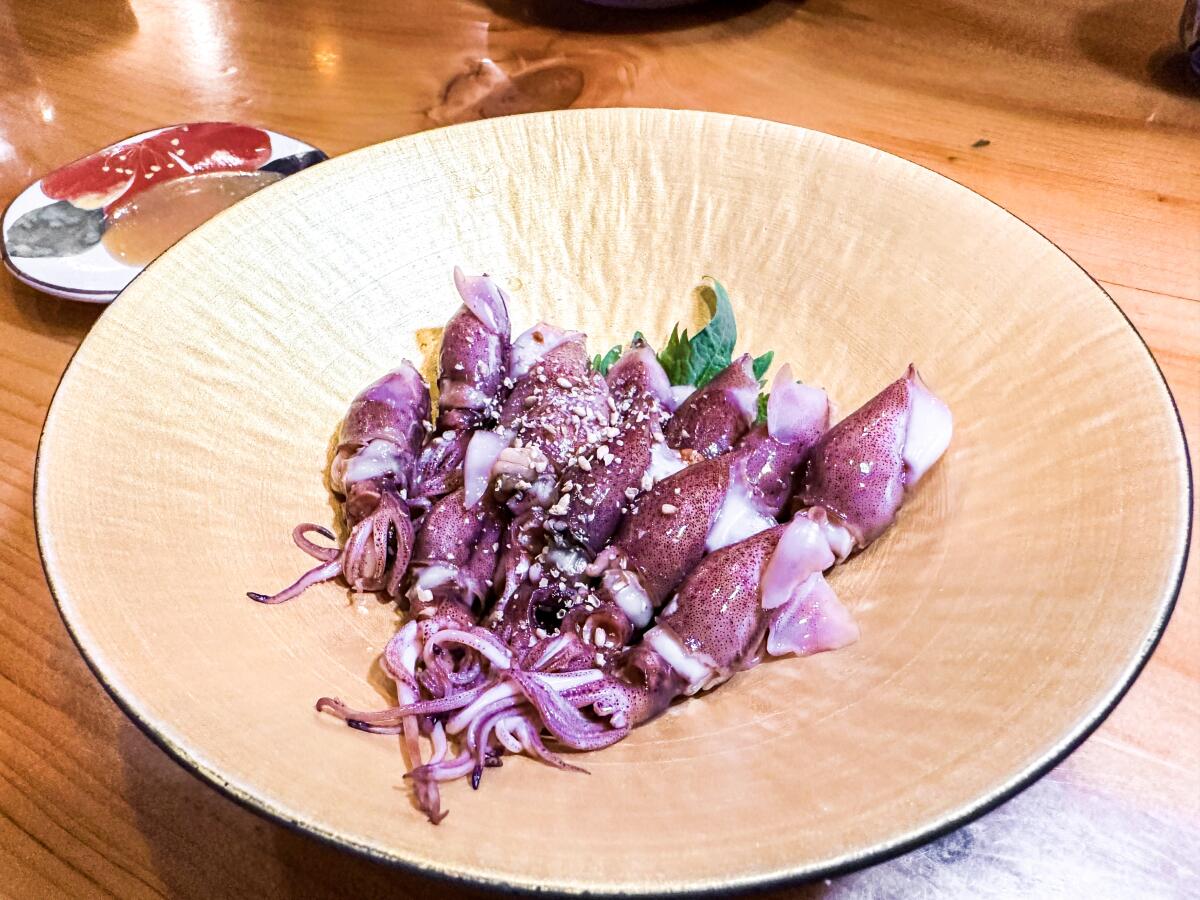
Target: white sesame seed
{"x":584,"y":464}
{"x":631,"y":492}
{"x":562,"y":382}
{"x":599,"y":637}
{"x":424,"y":595}
{"x":669,"y":510}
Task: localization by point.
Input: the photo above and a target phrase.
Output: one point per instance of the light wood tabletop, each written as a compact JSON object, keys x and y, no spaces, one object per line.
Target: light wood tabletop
{"x":1078,"y":116}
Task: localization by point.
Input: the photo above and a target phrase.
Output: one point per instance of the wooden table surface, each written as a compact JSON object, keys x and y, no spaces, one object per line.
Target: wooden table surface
{"x":1077,"y":115}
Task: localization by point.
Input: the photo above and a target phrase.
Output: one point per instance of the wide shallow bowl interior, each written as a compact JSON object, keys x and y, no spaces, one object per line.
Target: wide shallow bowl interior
{"x":1019,"y":594}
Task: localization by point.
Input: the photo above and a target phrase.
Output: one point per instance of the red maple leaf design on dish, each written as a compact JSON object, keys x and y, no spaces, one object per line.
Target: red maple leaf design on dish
{"x":116,"y":174}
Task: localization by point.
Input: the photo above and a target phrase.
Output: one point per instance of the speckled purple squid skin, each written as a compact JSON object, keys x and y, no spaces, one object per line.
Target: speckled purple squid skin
{"x":772,"y":468}
{"x":714,"y":418}
{"x":560,"y":405}
{"x":466,"y":540}
{"x":476,"y":345}
{"x":600,"y":495}
{"x":663,"y":546}
{"x":394,"y":408}
{"x":856,"y":471}
{"x":718,"y":611}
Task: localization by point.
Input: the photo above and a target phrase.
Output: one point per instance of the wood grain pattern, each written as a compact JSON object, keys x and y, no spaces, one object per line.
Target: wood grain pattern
{"x":1093,"y":130}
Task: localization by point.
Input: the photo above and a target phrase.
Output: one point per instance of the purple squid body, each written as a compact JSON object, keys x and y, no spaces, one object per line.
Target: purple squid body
{"x":861,"y":469}
{"x":598,"y":488}
{"x":712,"y":419}
{"x":473,"y":372}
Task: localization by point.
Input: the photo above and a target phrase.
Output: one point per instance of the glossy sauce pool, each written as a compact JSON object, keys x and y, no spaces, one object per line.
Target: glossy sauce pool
{"x":155,"y":219}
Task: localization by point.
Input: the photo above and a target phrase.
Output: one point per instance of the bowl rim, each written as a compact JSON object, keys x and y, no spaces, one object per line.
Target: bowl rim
{"x":734,"y":885}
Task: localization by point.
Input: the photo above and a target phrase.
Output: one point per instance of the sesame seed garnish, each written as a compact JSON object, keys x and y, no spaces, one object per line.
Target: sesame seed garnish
{"x":562,"y":382}
{"x":669,"y":510}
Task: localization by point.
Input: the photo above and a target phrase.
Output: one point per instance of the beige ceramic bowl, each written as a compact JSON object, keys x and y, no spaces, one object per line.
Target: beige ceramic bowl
{"x":1022,"y":590}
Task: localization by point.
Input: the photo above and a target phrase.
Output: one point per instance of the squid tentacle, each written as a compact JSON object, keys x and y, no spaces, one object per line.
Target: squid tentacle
{"x":300,"y":538}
